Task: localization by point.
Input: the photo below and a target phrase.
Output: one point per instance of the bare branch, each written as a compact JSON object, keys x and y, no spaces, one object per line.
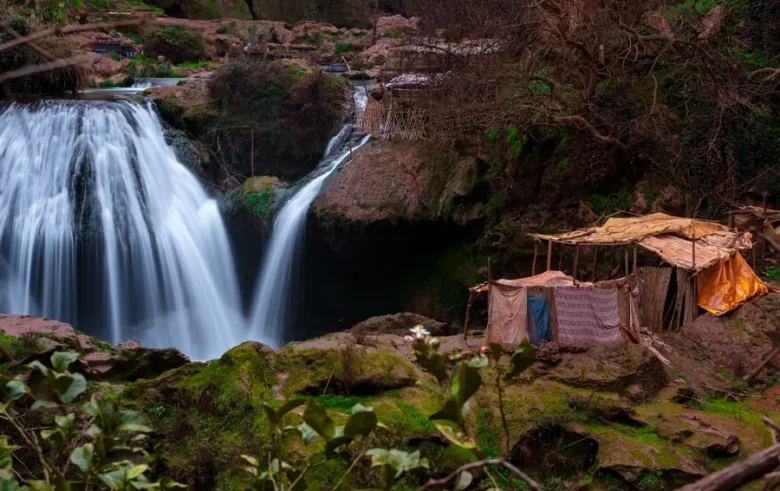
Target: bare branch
{"x":71,"y":29}
{"x":43,"y":67}
{"x":437,"y":483}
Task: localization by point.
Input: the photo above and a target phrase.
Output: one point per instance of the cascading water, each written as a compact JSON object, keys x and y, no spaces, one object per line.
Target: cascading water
{"x":101,"y":226}
{"x":272,"y":294}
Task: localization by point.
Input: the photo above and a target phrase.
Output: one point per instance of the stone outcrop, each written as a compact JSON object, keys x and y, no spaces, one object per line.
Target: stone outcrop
{"x":403,"y":181}
{"x":398,"y":324}
{"x":26,"y":338}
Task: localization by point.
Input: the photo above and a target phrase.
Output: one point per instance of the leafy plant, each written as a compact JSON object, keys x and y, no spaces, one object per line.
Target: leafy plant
{"x":106,"y":453}
{"x":343,"y":48}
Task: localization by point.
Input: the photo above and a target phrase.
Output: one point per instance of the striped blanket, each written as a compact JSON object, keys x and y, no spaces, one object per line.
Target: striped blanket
{"x":587,"y":315}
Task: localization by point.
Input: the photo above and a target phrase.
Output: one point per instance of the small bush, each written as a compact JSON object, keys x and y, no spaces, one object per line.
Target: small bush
{"x":107,"y":84}
{"x":350,"y":364}
{"x":176,"y":44}
{"x":343,"y":48}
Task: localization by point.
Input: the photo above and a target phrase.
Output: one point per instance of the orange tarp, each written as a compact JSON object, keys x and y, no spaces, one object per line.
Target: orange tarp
{"x":728,"y":284}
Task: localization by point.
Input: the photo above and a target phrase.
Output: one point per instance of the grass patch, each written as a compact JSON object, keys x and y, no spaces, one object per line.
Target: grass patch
{"x":342,"y":403}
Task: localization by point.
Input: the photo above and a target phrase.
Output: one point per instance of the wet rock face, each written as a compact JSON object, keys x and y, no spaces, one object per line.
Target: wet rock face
{"x":552,"y":450}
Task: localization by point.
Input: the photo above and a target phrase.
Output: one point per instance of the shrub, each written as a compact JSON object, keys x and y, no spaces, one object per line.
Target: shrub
{"x":176,"y":44}
{"x":107,"y":84}
{"x":343,"y":48}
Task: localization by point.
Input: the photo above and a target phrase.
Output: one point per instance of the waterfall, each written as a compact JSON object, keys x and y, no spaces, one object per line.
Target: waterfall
{"x":102,"y":227}
{"x":270,"y":314}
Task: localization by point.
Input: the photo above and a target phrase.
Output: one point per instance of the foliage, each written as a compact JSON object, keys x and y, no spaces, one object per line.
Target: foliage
{"x":607,"y":205}
{"x":177,"y":44}
{"x":96,"y":447}
{"x":290,"y":113}
{"x":107,"y":84}
{"x":230,"y":29}
{"x":773,"y":274}
{"x":261,"y":203}
{"x":342,"y":48}
{"x":276,"y":471}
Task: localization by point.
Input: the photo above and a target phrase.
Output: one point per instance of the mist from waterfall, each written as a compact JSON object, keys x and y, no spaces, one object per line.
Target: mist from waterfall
{"x":272,"y":301}
{"x":101,"y":226}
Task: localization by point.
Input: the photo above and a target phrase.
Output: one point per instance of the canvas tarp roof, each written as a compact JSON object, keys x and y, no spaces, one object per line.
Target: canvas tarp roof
{"x":548,"y":278}
{"x":668,"y":236}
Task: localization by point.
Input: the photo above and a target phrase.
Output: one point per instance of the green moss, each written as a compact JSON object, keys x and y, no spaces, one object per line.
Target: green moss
{"x":488,"y":433}
{"x":176,"y":43}
{"x":342,"y":403}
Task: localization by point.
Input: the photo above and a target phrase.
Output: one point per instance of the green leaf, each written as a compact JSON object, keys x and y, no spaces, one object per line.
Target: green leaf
{"x":289,"y":406}
{"x":465,"y":383}
{"x":36,"y":365}
{"x":40,"y":404}
{"x":307,"y":433}
{"x":450,"y":412}
{"x":270,"y":413}
{"x":456,"y":437}
{"x":360,"y":423}
{"x":464,"y":481}
{"x":251,"y":460}
{"x":82,"y":457}
{"x":94,"y":431}
{"x":522,"y":358}
{"x":136,"y":471}
{"x":61,"y":360}
{"x":336,"y":442}
{"x":40,"y":486}
{"x":65,"y":422}
{"x":16,"y":389}
{"x":55,"y":437}
{"x":69,"y":387}
{"x":496,"y":350}
{"x":317,"y":417}
{"x":133,"y":421}
{"x":480,"y":361}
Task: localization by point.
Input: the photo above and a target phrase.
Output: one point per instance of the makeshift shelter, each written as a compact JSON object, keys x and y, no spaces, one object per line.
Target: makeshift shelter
{"x":704,"y":256}
{"x":552,"y":306}
{"x":700,"y":266}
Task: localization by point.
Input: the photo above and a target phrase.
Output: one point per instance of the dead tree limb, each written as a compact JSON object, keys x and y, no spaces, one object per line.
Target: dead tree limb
{"x":42,"y":67}
{"x":735,"y":475}
{"x":71,"y":29}
{"x":764,"y":363}
{"x":46,"y":55}
{"x":438,"y":483}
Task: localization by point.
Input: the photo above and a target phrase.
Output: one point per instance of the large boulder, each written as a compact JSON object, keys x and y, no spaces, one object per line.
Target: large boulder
{"x":388,"y":181}
{"x":616,"y":367}
{"x":399,"y":324}
{"x":131,"y":363}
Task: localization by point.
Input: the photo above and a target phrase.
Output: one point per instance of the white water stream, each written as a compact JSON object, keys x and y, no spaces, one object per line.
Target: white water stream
{"x":101,"y":226}
{"x":271,"y":305}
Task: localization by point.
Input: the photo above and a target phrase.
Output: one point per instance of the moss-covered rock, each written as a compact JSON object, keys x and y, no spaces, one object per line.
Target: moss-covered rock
{"x":177,"y":44}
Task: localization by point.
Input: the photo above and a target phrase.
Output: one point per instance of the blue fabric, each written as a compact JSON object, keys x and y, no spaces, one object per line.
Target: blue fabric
{"x":539,"y":331}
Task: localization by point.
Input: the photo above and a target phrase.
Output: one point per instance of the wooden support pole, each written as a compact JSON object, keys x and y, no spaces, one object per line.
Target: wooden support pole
{"x":693,"y":253}
{"x":252,"y":152}
{"x":468,"y":313}
{"x":549,"y":255}
{"x":560,"y":260}
{"x":625,"y":258}
{"x":595,"y":259}
{"x":576,"y":263}
{"x":635,"y":263}
{"x":536,"y":253}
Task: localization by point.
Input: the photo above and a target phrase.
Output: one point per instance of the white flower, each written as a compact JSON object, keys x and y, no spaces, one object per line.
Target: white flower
{"x":419,"y":331}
